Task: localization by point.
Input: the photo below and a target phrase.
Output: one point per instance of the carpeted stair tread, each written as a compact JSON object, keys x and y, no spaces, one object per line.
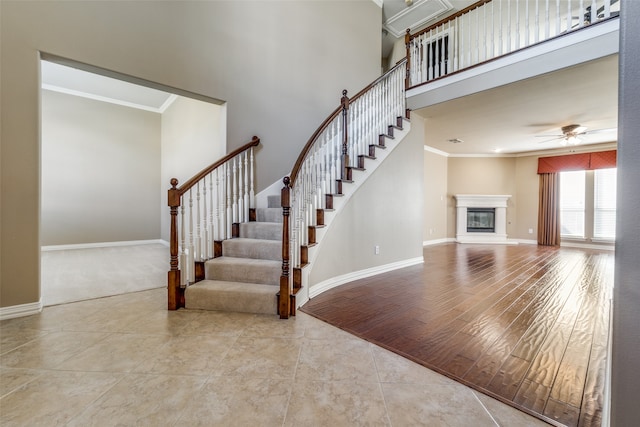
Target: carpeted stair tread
{"x":243,"y":270}
{"x":253,"y":248}
{"x":261,"y":230}
{"x":232,"y":296}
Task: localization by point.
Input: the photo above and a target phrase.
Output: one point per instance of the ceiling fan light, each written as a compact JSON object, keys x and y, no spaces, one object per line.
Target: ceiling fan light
{"x":572,"y":140}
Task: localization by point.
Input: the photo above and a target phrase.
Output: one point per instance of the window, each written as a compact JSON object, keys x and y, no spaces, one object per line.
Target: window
{"x":604,"y":204}
{"x":572,"y":203}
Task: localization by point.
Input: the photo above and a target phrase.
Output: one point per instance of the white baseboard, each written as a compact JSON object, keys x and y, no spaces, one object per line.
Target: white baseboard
{"x":325,"y":285}
{"x":103,"y":245}
{"x":526,"y":241}
{"x":587,"y":246}
{"x":21,"y":310}
{"x":438,"y":241}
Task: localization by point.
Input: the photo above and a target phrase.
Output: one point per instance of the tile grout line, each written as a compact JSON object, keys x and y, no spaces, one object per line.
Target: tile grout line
{"x":485,"y":408}
{"x":384,"y":398}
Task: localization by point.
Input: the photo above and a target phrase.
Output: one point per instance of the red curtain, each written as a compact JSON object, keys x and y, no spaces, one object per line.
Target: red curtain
{"x":574,"y":162}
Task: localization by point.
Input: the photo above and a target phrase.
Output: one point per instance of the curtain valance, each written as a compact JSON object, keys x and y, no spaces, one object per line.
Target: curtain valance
{"x":580,"y":161}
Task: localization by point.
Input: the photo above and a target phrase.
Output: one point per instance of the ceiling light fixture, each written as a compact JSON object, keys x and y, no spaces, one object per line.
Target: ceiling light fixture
{"x":571,"y":140}
{"x":455,"y":140}
{"x":408,"y":2}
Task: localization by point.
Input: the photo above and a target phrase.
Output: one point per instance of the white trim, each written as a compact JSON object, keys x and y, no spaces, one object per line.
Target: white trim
{"x":526,"y":241}
{"x":574,"y":244}
{"x":21,"y":310}
{"x":103,"y":98}
{"x":436,"y":151}
{"x":103,"y":245}
{"x":438,"y":241}
{"x":334,"y":282}
{"x":170,"y":100}
{"x":378,"y":2}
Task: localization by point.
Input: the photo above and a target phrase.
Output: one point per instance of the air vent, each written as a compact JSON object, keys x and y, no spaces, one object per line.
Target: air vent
{"x":415,"y":15}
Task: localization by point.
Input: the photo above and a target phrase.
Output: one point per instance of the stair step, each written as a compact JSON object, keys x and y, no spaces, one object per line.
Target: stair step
{"x":245,"y":270}
{"x":269,"y":214}
{"x":252,"y":248}
{"x":232,"y":296}
{"x":261,"y":230}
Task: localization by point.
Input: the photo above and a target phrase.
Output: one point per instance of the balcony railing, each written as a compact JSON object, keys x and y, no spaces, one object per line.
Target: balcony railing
{"x":489,"y":29}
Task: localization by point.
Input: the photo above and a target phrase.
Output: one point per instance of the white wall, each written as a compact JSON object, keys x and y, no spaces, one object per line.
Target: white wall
{"x":279,"y":65}
{"x":387,"y":210}
{"x":193,"y":137}
{"x":100,"y":169}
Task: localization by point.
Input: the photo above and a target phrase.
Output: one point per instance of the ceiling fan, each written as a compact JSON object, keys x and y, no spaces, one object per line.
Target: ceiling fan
{"x":570,"y":134}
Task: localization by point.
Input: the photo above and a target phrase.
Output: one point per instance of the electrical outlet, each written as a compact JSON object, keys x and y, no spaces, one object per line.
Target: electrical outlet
{"x":531,"y":231}
{"x":377,"y":250}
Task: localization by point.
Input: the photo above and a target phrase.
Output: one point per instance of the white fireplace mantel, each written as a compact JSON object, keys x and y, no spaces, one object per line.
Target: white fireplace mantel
{"x":499,"y":202}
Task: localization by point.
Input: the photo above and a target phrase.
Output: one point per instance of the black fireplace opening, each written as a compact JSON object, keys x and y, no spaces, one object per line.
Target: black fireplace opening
{"x":481,"y":220}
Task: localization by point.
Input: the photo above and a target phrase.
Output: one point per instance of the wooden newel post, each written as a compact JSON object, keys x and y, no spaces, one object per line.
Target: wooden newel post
{"x":344,"y":102}
{"x":175,"y":295}
{"x":407,"y":43}
{"x":284,"y":303}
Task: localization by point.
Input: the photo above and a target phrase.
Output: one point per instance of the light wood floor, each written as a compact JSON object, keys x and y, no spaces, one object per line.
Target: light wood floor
{"x":525,"y":324}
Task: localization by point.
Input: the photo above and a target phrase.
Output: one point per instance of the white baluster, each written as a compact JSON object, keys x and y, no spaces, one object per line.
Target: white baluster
{"x":581,"y":15}
{"x":517,"y":25}
{"x":500,"y":41}
{"x":594,"y":12}
{"x":229,"y":213}
{"x":246,"y":200}
{"x":607,"y":9}
{"x":219,"y":211}
{"x":198,"y":238}
{"x":190,"y":252}
{"x":547,"y":22}
{"x":205,"y":221}
{"x":558,"y":18}
{"x":212,"y":221}
{"x":252,"y":196}
{"x":241,"y":184}
{"x":508,"y":47}
{"x":526,"y":24}
{"x":569,"y":20}
{"x":537,"y":22}
{"x":235,"y":184}
{"x":184,"y":264}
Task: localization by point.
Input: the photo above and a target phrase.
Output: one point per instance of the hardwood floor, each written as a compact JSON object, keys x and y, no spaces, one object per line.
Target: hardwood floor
{"x":526,"y":324}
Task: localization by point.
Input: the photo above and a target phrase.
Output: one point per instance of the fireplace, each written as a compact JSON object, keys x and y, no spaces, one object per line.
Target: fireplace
{"x":481,"y":218}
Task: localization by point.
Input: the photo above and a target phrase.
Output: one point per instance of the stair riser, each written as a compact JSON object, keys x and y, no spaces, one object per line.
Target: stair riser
{"x":222,"y":296}
{"x":269,"y":215}
{"x":249,"y":273}
{"x":254,"y":249}
{"x":261,"y":230}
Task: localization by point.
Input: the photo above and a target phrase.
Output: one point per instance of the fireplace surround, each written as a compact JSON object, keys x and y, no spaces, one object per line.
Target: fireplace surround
{"x":481,"y":218}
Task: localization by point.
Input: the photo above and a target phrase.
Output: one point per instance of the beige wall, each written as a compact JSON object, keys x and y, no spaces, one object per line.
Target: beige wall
{"x":279,"y":65}
{"x":435,"y":197}
{"x":482,"y":175}
{"x":100,"y":169}
{"x":193,"y":137}
{"x":387,"y":210}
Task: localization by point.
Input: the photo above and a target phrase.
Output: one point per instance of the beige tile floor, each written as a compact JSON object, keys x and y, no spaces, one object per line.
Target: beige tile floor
{"x":125,"y":360}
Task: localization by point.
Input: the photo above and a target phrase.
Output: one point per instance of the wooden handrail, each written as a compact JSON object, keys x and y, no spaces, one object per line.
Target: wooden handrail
{"x":204,"y":172}
{"x":448,"y":18}
{"x":332,"y":116}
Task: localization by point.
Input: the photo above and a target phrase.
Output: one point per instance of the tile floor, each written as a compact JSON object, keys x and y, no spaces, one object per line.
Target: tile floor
{"x":125,"y":360}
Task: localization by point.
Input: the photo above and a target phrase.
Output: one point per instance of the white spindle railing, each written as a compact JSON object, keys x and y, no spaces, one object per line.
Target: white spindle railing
{"x":347,"y":133}
{"x":203,"y":211}
{"x":491,"y":29}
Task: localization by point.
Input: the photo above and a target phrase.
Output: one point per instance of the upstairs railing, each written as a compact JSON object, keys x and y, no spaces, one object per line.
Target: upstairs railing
{"x":325,"y":162}
{"x":491,"y":28}
{"x":203,"y":212}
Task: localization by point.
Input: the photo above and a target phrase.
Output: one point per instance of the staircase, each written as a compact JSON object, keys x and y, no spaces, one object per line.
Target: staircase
{"x":228,"y":256}
{"x":246,"y":277}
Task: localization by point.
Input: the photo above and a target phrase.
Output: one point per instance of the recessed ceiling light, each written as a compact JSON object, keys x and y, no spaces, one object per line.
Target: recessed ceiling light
{"x":455,"y":140}
{"x":497,"y":150}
